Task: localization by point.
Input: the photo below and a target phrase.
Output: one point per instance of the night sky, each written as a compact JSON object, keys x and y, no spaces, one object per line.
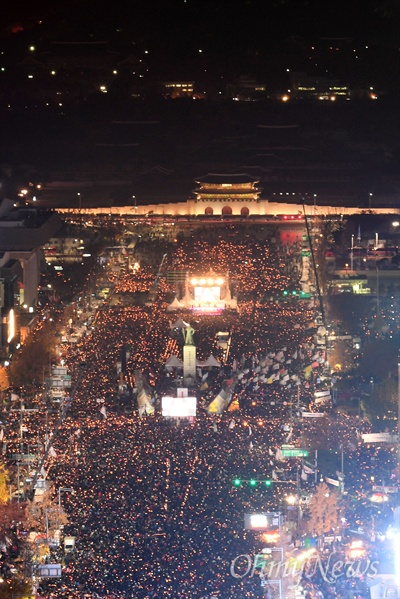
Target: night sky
{"x":210,"y":42}
{"x":206,"y":39}
{"x":182,"y":27}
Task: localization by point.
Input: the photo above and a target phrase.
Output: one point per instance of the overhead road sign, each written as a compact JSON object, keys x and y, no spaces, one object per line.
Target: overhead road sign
{"x":294,"y":452}
{"x":380,"y":438}
{"x":313,"y":414}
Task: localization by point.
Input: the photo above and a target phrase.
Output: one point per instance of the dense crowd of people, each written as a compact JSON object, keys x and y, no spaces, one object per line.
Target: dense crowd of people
{"x":154,"y":509}
{"x":135,"y":281}
{"x":256,"y":269}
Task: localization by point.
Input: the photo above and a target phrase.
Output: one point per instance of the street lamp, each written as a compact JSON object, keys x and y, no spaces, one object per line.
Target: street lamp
{"x":370,"y":200}
{"x":291,"y":499}
{"x":79,"y":200}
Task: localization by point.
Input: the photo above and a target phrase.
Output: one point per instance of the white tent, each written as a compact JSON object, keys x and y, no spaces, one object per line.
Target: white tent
{"x":143,"y":394}
{"x":174,"y":306}
{"x":174,"y":362}
{"x":179,"y":324}
{"x":211,"y":361}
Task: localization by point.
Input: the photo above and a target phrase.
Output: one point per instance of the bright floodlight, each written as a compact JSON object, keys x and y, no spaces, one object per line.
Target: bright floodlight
{"x":207,"y":294}
{"x":291,"y":499}
{"x":11,"y":325}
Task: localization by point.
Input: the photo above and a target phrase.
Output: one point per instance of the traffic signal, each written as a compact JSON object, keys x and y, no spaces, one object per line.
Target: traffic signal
{"x":285,"y":292}
{"x":305,"y":295}
{"x":252,"y":482}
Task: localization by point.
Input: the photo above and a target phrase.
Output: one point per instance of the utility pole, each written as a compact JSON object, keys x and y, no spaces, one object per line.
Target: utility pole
{"x":352,"y":254}
{"x":18,"y":482}
{"x":342,"y":470}
{"x":377,"y":292}
{"x":321,"y":305}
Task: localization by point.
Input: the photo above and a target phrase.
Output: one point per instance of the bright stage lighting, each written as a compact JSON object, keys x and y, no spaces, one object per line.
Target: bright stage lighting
{"x":207,"y":294}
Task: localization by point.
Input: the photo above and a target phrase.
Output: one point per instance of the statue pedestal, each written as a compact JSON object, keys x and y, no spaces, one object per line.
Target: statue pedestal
{"x":189,"y":362}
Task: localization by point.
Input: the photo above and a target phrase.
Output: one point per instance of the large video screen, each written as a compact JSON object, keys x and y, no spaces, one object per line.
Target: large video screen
{"x":207,"y":294}
{"x":266,"y":521}
{"x":178,"y":407}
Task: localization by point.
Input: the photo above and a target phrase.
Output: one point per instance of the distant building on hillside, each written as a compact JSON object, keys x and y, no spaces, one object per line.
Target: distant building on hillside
{"x":246,"y":89}
{"x":81,"y":57}
{"x":178,"y":89}
{"x":304,"y":87}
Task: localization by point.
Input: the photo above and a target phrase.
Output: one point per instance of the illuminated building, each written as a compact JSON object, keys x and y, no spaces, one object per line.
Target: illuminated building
{"x":10,"y":274}
{"x":349,"y":283}
{"x":227,"y":194}
{"x":320,"y":88}
{"x":178,"y":89}
{"x":224,"y":195}
{"x":23,"y":231}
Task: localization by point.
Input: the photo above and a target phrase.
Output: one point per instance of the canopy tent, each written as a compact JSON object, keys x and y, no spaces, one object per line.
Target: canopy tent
{"x":174,"y":306}
{"x":180,"y":324}
{"x":144,"y":396}
{"x":174,"y":362}
{"x":211,"y":361}
{"x":219,"y":403}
